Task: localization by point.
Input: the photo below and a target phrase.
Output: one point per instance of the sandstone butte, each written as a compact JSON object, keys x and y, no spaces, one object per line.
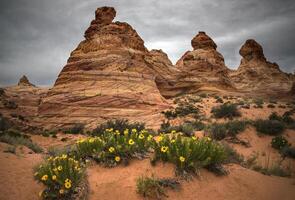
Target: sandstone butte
{"x":111,"y":74}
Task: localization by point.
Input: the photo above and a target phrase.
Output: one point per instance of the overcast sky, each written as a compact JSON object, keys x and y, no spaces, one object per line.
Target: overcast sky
{"x":37,"y":36}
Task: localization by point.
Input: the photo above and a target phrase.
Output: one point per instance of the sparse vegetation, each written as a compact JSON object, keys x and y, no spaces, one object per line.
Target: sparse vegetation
{"x":154,"y":188}
{"x":258,"y":103}
{"x":188,"y":154}
{"x":269,"y":127}
{"x":10,"y":104}
{"x":226,"y":111}
{"x":279,"y":142}
{"x":118,"y":124}
{"x":219,"y":131}
{"x":182,"y":109}
{"x":15,"y":138}
{"x":75,"y":129}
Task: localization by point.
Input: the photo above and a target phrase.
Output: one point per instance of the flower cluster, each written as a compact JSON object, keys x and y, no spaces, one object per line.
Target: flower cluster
{"x":188,"y":154}
{"x":61,"y":175}
{"x":113,"y":147}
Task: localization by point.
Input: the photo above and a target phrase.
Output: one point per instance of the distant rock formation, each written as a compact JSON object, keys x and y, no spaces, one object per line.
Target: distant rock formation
{"x":256,"y":75}
{"x":24,"y":81}
{"x":204,"y":66}
{"x":109,"y":75}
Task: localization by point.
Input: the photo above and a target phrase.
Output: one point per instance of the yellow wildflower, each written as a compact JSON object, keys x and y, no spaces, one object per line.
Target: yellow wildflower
{"x":173,"y":131}
{"x":117,"y":132}
{"x":59,"y":168}
{"x":91,"y":140}
{"x":111,"y":149}
{"x":131,"y":142}
{"x":54,"y":177}
{"x":160,"y":138}
{"x":182,"y":159}
{"x":134,"y":130}
{"x":150,"y":137}
{"x":61,"y":191}
{"x":194,"y":138}
{"x":126,"y":131}
{"x":68,"y":185}
{"x":55,"y":170}
{"x":64,"y":156}
{"x":68,"y":180}
{"x":172,"y":141}
{"x":44,"y":178}
{"x":164,"y":149}
{"x":117,"y":158}
{"x":141,"y":136}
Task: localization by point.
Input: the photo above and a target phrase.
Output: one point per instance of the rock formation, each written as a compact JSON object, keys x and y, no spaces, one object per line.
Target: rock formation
{"x":204,"y":66}
{"x":293,"y":89}
{"x":24,"y":81}
{"x":258,"y":76}
{"x":109,"y":75}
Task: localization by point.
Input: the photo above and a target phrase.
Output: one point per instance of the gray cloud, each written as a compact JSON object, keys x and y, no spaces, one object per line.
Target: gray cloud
{"x":37,"y":36}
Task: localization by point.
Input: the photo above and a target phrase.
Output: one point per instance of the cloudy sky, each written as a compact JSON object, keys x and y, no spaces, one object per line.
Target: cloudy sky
{"x":37,"y":36}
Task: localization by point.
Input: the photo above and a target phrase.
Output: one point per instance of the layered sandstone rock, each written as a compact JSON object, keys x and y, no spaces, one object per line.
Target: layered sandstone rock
{"x":293,"y":89}
{"x":24,"y":81}
{"x":258,"y":76}
{"x":20,"y":103}
{"x":204,"y":66}
{"x":109,"y":75}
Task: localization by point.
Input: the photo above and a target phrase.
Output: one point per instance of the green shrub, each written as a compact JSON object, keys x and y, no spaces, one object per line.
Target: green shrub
{"x":4,"y":123}
{"x":76,"y":129}
{"x":288,"y":151}
{"x":219,"y":100}
{"x":188,"y":154}
{"x":20,"y":140}
{"x":118,"y":124}
{"x":219,"y":131}
{"x":232,"y":156}
{"x":271,"y":106}
{"x":113,"y":147}
{"x":259,"y":103}
{"x":10,"y":104}
{"x":61,"y":175}
{"x":154,"y":188}
{"x":187,"y":128}
{"x":279,"y":142}
{"x":203,"y":95}
{"x":275,"y":116}
{"x":269,"y":127}
{"x":226,"y":111}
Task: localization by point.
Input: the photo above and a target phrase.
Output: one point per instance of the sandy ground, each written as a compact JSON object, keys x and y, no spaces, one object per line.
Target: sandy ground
{"x":120,"y":183}
{"x":17,"y":183}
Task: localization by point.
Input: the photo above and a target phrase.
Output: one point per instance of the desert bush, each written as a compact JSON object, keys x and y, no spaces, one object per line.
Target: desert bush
{"x":20,"y":140}
{"x":2,"y":91}
{"x":187,"y":128}
{"x":188,"y":154}
{"x":274,"y":169}
{"x":10,"y":104}
{"x":203,"y":95}
{"x":271,"y":106}
{"x":75,"y":129}
{"x":219,"y":131}
{"x":226,"y":111}
{"x":232,"y":156}
{"x":269,"y":127}
{"x":4,"y":123}
{"x":154,"y":188}
{"x":288,"y":151}
{"x":274,"y":116}
{"x":113,"y":147}
{"x":279,"y":142}
{"x":219,"y":100}
{"x":118,"y":124}
{"x":61,"y":175}
{"x":259,"y":103}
